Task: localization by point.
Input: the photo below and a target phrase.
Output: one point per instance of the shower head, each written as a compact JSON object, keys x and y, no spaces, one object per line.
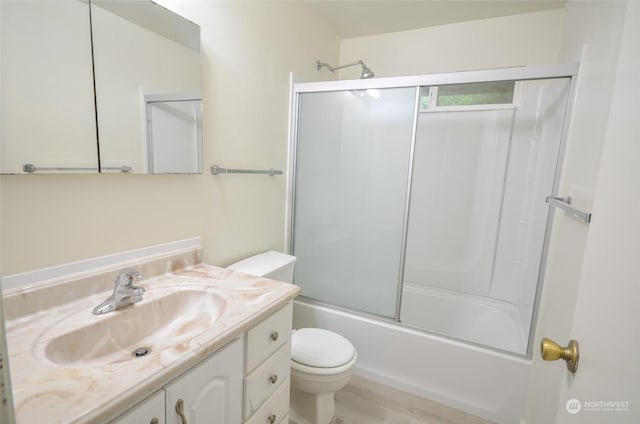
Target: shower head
{"x":366,"y":72}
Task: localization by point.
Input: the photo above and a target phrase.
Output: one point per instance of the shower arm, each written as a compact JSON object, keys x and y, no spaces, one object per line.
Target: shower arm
{"x":319,"y":65}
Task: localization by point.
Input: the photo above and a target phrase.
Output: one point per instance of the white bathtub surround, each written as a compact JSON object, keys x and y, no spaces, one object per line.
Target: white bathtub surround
{"x":478,"y":215}
{"x":476,"y":319}
{"x":366,"y":401}
{"x":66,"y":380}
{"x":476,"y":380}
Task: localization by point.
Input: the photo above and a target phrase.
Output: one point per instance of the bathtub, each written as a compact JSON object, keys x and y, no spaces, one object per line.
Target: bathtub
{"x":486,"y":383}
{"x":477,"y":319}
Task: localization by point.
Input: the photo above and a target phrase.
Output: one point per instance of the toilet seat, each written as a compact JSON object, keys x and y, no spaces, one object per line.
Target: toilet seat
{"x":296,"y":366}
{"x":315,"y":348}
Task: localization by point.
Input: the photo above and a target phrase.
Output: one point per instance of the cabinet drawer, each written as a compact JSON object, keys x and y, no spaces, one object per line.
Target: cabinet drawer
{"x":265,"y":379}
{"x":266,"y":337}
{"x":275,"y":408}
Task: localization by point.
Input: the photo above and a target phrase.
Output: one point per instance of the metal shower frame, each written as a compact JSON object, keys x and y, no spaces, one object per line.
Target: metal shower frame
{"x":522,"y":73}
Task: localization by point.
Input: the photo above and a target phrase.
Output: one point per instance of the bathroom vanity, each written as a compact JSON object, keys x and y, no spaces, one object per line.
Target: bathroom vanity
{"x":205,"y":344}
{"x":212,"y":391}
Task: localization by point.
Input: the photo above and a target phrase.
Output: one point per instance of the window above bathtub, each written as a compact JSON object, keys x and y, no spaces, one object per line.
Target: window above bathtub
{"x":475,"y":96}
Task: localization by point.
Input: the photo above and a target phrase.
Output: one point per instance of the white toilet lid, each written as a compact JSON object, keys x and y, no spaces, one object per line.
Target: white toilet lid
{"x":320,"y":348}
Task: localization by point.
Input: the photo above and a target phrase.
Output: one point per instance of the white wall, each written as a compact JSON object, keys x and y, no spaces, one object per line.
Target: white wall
{"x":249,"y":48}
{"x":528,"y":39}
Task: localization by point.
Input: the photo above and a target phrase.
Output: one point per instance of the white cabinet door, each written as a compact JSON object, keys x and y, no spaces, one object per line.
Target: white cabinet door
{"x":210,"y":392}
{"x":145,"y":412}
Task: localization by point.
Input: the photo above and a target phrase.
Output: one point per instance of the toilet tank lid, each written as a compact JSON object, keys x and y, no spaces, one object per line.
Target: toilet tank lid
{"x":320,"y":348}
{"x":263,"y":264}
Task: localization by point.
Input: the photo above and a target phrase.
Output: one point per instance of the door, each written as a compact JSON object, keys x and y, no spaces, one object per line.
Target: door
{"x":174,"y":139}
{"x":353,"y":156}
{"x":606,"y":387}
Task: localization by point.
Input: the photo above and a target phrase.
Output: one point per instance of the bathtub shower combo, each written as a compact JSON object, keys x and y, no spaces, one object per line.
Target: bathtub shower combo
{"x":418,"y":213}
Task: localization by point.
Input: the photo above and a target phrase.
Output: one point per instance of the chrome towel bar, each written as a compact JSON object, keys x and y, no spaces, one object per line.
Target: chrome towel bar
{"x":31,"y":168}
{"x":564,"y":203}
{"x":215,"y":170}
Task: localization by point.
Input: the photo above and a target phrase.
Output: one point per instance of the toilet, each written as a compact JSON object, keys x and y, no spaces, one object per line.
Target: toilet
{"x":321,"y":361}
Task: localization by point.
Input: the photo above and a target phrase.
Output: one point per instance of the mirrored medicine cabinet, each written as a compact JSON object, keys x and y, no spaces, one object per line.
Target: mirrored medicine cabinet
{"x":103,"y":86}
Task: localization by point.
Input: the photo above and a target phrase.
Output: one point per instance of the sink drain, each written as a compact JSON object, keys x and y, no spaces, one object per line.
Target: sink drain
{"x":141,"y":351}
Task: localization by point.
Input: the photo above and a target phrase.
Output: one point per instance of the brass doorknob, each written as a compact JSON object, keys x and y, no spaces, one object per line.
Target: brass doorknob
{"x":552,"y":351}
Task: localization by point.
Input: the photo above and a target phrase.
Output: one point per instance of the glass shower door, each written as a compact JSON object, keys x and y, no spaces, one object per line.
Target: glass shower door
{"x":477,"y":218}
{"x":352,"y":171}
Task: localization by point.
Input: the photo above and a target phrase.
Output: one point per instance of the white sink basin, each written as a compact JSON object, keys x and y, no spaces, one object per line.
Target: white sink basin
{"x":169,"y":322}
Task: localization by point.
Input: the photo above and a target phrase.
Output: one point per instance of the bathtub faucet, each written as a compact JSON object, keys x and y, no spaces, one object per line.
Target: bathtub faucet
{"x":124,"y":292}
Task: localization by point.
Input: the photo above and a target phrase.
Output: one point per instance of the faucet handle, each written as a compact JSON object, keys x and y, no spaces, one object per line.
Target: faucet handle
{"x":127,"y":276}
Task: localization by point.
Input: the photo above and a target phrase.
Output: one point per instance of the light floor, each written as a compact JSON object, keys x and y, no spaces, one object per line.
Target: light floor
{"x":366,"y":402}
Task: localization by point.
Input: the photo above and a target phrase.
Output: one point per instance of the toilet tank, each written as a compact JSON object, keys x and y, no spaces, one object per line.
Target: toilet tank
{"x":271,"y":264}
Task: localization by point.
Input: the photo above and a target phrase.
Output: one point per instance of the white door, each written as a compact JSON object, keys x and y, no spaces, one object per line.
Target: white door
{"x":606,"y":322}
{"x":174,"y":138}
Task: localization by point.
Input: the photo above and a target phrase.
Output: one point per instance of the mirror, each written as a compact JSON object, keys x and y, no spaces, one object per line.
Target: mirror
{"x":47,"y":104}
{"x":148,"y":88}
{"x":142,"y":85}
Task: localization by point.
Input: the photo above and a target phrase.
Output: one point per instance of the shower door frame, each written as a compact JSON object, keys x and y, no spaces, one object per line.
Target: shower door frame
{"x":521,"y":73}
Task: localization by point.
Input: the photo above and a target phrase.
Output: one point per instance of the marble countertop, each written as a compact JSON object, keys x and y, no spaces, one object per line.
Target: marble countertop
{"x":96,"y":386}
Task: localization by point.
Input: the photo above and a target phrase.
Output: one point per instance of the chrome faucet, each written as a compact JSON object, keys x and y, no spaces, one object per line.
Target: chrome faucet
{"x":124,"y":292}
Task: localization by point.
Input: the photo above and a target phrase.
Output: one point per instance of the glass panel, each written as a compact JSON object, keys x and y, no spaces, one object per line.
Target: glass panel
{"x":477,"y":216}
{"x":484,"y":93}
{"x":352,"y":171}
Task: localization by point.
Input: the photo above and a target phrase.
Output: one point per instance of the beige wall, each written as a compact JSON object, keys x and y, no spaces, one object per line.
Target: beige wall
{"x":528,"y":39}
{"x":249,"y":48}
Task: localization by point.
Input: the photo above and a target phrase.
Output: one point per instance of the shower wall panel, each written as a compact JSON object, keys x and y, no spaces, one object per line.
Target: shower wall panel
{"x":458,"y":179}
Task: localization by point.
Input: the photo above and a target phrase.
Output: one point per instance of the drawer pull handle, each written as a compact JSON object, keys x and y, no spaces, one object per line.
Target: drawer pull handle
{"x":274,"y":336}
{"x":273,"y":378}
{"x":272,"y":418}
{"x":180,"y":411}
{"x":154,"y":421}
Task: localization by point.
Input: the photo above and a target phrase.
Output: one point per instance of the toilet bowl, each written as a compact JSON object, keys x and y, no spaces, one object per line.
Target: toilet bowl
{"x":321,"y":361}
{"x":321,"y":364}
